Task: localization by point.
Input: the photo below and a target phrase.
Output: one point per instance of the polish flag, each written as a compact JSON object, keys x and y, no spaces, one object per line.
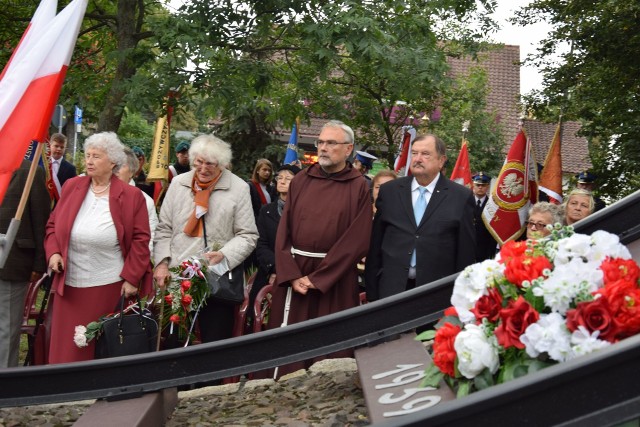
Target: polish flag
{"x":461,"y":172}
{"x":403,"y":161}
{"x":30,"y":87}
{"x":44,"y":14}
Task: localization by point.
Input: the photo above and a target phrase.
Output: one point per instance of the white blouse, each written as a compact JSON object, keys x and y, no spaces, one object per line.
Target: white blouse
{"x":94,"y":257}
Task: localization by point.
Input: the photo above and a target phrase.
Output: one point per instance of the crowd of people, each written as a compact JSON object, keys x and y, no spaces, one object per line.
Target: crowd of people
{"x":305,"y":230}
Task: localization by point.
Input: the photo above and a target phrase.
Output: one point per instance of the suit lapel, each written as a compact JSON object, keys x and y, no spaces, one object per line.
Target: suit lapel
{"x":438,"y":196}
{"x":405,"y":198}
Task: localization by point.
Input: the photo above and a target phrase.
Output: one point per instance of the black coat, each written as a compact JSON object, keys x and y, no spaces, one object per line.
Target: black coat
{"x":255,"y":197}
{"x":486,"y":245}
{"x":27,"y":252}
{"x":66,"y":171}
{"x":267,"y":224}
{"x":444,"y":239}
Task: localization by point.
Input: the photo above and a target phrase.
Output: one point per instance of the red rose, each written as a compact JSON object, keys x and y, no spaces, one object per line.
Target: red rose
{"x":515,"y":318}
{"x":186,"y":300}
{"x":451,"y":311}
{"x":519,"y":269}
{"x":620,"y":269}
{"x":512,"y":249}
{"x":168,"y":298}
{"x":174,"y":318}
{"x":185,"y":285}
{"x":594,"y":316}
{"x":444,"y":354}
{"x":623,"y":298}
{"x":488,"y":306}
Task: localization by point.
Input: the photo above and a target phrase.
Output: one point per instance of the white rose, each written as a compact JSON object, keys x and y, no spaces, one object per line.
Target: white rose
{"x":476,"y":351}
{"x":79,"y":337}
{"x":548,"y":335}
{"x":471,"y":284}
{"x":576,"y":246}
{"x":607,"y":245}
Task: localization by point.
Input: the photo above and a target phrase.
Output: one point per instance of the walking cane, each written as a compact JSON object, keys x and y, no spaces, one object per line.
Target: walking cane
{"x":285,"y":319}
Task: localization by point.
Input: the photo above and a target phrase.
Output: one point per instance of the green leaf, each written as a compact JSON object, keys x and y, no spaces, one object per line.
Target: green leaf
{"x":484,"y":380}
{"x":464,"y":388}
{"x":426,"y":335}
{"x":432,"y":377}
{"x":449,"y":319}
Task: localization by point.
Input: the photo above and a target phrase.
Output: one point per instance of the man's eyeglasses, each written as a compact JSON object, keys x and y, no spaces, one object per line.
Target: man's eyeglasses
{"x":330,"y":143}
{"x":535,"y":225}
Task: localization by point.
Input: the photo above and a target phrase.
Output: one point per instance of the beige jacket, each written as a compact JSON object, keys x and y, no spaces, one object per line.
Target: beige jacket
{"x":230,"y":224}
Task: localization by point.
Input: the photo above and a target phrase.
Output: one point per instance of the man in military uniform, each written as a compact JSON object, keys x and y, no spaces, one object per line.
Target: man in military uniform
{"x":486,"y":245}
{"x":587,"y":181}
{"x":364,"y":162}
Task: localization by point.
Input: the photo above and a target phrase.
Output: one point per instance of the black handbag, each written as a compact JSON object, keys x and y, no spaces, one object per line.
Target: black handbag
{"x":127,"y":334}
{"x":229,"y":287}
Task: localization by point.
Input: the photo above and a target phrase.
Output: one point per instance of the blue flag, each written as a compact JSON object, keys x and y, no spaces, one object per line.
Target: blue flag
{"x":292,"y":147}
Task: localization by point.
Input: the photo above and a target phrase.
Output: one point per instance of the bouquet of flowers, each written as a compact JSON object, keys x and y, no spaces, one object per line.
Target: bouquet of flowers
{"x":187,"y":291}
{"x":537,"y":304}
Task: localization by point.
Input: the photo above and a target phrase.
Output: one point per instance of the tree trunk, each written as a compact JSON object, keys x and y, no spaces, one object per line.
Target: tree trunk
{"x":126,"y":30}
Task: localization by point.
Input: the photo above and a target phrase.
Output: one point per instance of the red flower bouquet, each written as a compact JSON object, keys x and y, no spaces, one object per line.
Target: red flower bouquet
{"x":538,"y":303}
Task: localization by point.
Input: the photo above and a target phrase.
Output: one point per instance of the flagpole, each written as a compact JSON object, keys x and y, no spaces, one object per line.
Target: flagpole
{"x":6,"y":240}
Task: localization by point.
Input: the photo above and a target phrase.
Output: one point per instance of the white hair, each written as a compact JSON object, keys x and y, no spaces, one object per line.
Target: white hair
{"x":110,"y":144}
{"x":346,"y":129}
{"x":211,"y":149}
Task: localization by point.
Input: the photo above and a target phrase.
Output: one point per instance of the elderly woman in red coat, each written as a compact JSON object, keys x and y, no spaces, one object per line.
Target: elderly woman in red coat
{"x":97,"y":241}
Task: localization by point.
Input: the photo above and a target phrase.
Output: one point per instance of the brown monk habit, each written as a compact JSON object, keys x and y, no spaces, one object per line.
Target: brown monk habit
{"x":323,"y":214}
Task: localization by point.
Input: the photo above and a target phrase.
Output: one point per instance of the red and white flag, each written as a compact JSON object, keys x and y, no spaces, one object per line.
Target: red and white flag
{"x":514,"y":193}
{"x":551,"y":177}
{"x":44,"y":14}
{"x":403,"y":160}
{"x":461,"y":172}
{"x":31,"y":85}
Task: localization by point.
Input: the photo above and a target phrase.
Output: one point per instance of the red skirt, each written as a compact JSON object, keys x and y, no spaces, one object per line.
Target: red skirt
{"x":78,"y":306}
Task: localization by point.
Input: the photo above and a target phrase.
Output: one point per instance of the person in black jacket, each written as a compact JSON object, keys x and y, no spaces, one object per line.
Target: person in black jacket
{"x":423,"y":226}
{"x":26,"y":259}
{"x":486,"y":245}
{"x":61,"y":168}
{"x":267,"y":224}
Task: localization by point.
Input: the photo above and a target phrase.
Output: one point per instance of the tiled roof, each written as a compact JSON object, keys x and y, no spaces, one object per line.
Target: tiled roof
{"x":503,"y":75}
{"x":575,"y":152}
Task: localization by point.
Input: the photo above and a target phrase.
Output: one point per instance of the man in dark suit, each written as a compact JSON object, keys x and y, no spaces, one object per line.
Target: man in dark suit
{"x":486,"y":245}
{"x":26,"y":260}
{"x":62,"y":169}
{"x":423,"y":227}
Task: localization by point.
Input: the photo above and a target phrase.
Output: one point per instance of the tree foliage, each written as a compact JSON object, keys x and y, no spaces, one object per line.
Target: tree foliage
{"x":465,"y":100}
{"x":254,"y":66}
{"x":595,"y":81}
{"x":350,"y":60}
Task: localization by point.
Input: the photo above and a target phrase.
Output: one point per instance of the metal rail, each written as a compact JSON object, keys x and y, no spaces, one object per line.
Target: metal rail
{"x":134,"y":375}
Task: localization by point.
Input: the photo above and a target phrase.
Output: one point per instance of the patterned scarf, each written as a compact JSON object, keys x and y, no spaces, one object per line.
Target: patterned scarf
{"x":202,"y":192}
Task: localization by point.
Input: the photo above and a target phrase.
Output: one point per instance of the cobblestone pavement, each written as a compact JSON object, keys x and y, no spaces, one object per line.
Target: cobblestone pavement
{"x":324,"y":396}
